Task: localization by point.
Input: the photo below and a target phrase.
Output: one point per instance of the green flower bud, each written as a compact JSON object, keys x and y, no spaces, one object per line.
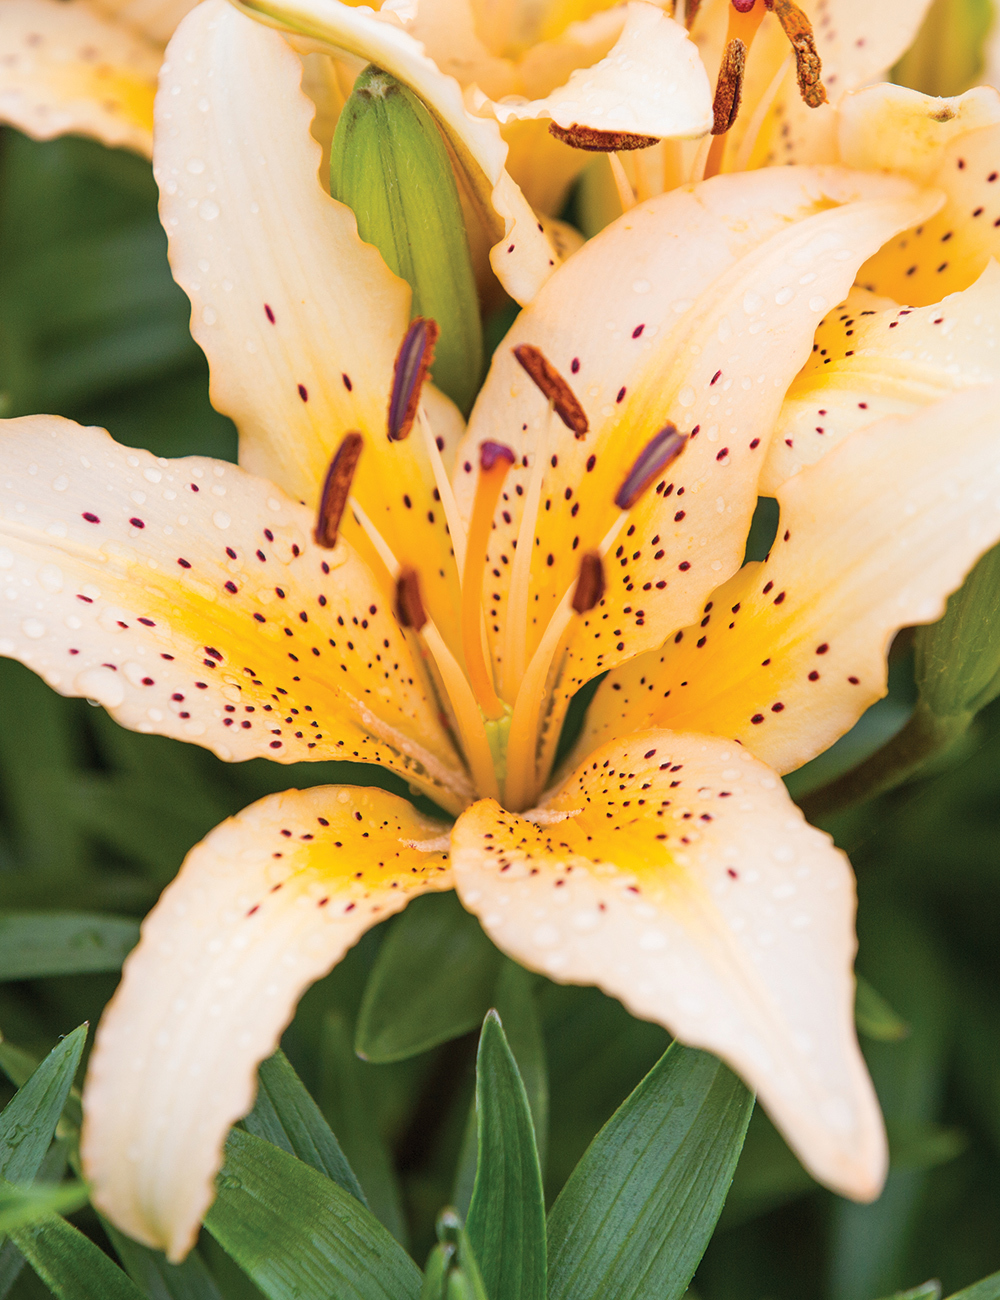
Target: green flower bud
{"x":947,"y":56}
{"x":957,"y":662}
{"x":390,"y":165}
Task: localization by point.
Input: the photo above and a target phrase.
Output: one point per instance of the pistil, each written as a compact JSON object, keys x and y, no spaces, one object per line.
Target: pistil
{"x":495,"y":459}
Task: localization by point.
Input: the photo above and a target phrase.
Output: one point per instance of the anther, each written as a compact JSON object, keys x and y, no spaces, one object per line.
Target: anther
{"x":657,"y":454}
{"x":729,"y":88}
{"x":336,"y":489}
{"x":808,"y":66}
{"x":589,"y":584}
{"x":552,"y":386}
{"x":586,"y":137}
{"x":413,"y":360}
{"x":409,"y":606}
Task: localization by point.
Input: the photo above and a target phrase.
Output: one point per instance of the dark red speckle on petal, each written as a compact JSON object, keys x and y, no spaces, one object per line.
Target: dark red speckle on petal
{"x":91,"y":519}
{"x":303,"y":392}
{"x":137,"y":523}
{"x":269,"y":313}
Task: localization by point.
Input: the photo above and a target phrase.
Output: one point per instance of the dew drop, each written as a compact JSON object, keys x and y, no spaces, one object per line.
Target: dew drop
{"x":208,"y":209}
{"x":33,"y":628}
{"x":102,"y":685}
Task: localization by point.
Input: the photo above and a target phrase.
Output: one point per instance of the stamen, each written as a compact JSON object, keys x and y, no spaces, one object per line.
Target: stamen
{"x":745,"y":18}
{"x":729,"y":88}
{"x":808,"y":65}
{"x":586,"y":137}
{"x":626,"y":194}
{"x":336,"y":489}
{"x":413,"y":360}
{"x":589,"y":584}
{"x":445,"y":491}
{"x":657,"y":454}
{"x":552,"y":385}
{"x":465,"y":709}
{"x":691,"y":13}
{"x":495,"y":459}
{"x":409,"y":606}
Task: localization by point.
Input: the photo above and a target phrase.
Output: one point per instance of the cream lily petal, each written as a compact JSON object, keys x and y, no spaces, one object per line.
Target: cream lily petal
{"x":299,"y":319}
{"x":953,"y":144}
{"x":155,"y":19}
{"x":189,"y":598}
{"x":673,"y":871}
{"x":522,"y":257}
{"x":872,"y":538}
{"x":872,"y":358}
{"x":696,"y":308}
{"x":651,"y":83}
{"x":265,"y":905}
{"x":65,"y":68}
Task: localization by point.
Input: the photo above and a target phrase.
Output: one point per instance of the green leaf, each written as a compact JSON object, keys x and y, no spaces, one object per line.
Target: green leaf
{"x":20,"y":1206}
{"x":34,"y":944}
{"x":285,"y":1115}
{"x":390,"y":165}
{"x":638,"y":1211}
{"x":433,"y":980}
{"x":875,"y":1018}
{"x":506,"y":1220}
{"x":28,"y":1122}
{"x":987,"y":1289}
{"x":452,"y":1272}
{"x":347,"y":1100}
{"x":518,"y":1011}
{"x":299,"y":1234}
{"x":928,"y":1291}
{"x":69,"y":1263}
{"x":157,"y":1277}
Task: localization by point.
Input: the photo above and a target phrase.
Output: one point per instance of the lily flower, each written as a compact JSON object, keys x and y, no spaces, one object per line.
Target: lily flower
{"x":338,"y":595}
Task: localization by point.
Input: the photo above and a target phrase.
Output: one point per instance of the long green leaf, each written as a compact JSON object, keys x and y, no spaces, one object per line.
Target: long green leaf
{"x":637,"y":1212}
{"x":34,"y":944}
{"x":987,"y":1289}
{"x":299,"y":1234}
{"x":69,"y":1263}
{"x":506,"y":1220}
{"x":286,"y":1116}
{"x":28,"y":1122}
{"x":20,"y":1206}
{"x":156,"y":1277}
{"x":433,"y":980}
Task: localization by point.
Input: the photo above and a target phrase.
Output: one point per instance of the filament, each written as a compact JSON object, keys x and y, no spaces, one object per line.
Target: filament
{"x":494,"y":462}
{"x":443,"y":484}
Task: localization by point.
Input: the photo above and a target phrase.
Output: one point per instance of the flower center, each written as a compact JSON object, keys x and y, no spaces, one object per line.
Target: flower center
{"x":498,"y":736}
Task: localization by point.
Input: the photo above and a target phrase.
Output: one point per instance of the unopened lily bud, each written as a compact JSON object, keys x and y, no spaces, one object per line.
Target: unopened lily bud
{"x":390,"y":165}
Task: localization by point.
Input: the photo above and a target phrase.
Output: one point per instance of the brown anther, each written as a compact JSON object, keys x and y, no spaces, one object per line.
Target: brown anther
{"x":589,"y":584}
{"x":808,"y":65}
{"x":657,"y":454}
{"x":336,"y":489}
{"x":593,"y":141}
{"x":729,"y":87}
{"x":691,"y":13}
{"x":409,"y":606}
{"x":413,"y":360}
{"x":552,"y":386}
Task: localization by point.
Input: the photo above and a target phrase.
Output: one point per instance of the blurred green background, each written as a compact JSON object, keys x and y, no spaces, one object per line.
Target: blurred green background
{"x":96,"y":819}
